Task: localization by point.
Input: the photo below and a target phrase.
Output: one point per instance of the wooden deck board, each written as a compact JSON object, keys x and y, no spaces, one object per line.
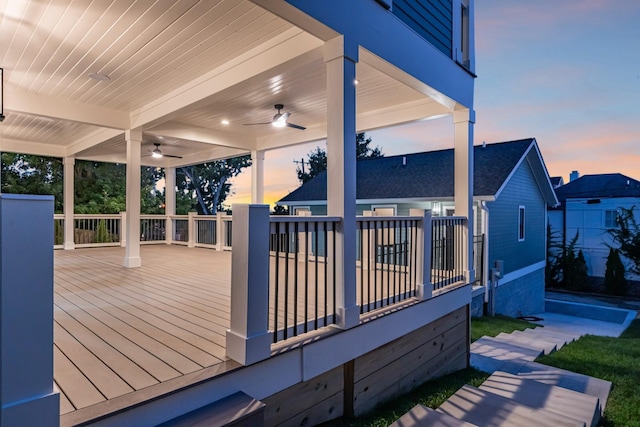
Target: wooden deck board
{"x":131,"y":349}
{"x":121,"y":330}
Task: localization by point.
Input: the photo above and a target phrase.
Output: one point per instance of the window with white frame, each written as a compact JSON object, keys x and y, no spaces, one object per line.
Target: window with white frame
{"x":521,"y":223}
{"x":610,"y":218}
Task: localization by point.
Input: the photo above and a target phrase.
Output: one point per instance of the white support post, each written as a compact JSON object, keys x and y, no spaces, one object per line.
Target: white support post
{"x":132,"y":250}
{"x":69,"y":223}
{"x":424,"y":244}
{"x":169,"y":202}
{"x":340,"y":59}
{"x":123,"y":227}
{"x":192,"y":229}
{"x":257,"y":176}
{"x":248,"y":338}
{"x":221,"y":238}
{"x":463,"y":191}
{"x":27,"y":393}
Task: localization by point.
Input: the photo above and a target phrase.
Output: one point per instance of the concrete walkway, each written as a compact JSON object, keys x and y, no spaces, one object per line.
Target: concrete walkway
{"x":521,"y":392}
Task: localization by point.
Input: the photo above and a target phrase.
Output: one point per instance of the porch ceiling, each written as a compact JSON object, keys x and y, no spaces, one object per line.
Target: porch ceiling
{"x":176,"y":70}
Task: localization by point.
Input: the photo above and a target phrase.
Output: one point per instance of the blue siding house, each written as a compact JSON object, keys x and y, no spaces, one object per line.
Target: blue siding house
{"x":512,"y":191}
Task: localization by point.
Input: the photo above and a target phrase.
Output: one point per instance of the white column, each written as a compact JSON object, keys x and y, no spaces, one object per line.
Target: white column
{"x":69,"y":200}
{"x":132,"y":251}
{"x":169,"y":201}
{"x":463,"y":191}
{"x":340,"y":59}
{"x":257,"y":176}
{"x":192,"y":229}
{"x":27,"y":393}
{"x":423,"y":245}
{"x":248,"y":338}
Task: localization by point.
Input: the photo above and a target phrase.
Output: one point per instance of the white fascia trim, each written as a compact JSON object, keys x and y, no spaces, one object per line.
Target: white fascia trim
{"x":389,"y":201}
{"x":514,"y":275}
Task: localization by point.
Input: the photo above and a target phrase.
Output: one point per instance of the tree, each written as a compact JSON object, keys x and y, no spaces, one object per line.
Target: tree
{"x":280,"y":210}
{"x":317,"y":159}
{"x":555,"y":249}
{"x":206,"y":184}
{"x":615,"y":281}
{"x":29,"y":174}
{"x":627,"y":237}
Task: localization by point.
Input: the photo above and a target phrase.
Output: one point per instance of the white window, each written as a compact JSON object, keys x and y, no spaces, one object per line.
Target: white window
{"x":610,"y":219}
{"x":521,"y":224}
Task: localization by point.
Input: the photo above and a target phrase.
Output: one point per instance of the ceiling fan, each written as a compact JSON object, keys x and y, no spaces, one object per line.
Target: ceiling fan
{"x":279,"y":120}
{"x":157,"y":154}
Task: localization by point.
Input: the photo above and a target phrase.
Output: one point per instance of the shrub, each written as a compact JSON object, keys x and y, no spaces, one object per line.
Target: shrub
{"x":615,"y":281}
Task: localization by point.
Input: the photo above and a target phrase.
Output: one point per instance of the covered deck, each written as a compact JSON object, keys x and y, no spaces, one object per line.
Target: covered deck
{"x":126,"y":335}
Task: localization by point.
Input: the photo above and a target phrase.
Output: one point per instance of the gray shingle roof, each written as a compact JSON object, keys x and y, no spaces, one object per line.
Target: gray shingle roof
{"x":599,"y":186}
{"x":425,"y":175}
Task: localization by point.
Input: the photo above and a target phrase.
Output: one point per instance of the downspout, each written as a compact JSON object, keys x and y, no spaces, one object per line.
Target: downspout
{"x":485,"y":250}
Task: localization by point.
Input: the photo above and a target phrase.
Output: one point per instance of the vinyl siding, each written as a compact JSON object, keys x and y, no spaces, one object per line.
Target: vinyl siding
{"x":432,"y":19}
{"x":521,"y":190}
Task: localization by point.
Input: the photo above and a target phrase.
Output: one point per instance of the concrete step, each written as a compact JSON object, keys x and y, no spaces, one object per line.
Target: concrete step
{"x":563,"y":331}
{"x":558,"y":342}
{"x":562,"y":378}
{"x":420,"y":416}
{"x":557,"y":337}
{"x":530,"y":342}
{"x":535,"y":394}
{"x":489,"y":354}
{"x":488,"y":409}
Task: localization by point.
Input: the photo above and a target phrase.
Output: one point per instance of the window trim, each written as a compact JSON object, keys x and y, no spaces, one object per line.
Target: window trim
{"x":522,"y":215}
{"x":615,"y":217}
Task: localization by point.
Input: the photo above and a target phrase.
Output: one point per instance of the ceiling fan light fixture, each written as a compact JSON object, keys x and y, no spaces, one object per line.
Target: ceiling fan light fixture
{"x":280,"y":120}
{"x":156,"y":154}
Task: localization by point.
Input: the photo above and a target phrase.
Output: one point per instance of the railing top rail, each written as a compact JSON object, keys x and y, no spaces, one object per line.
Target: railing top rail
{"x":58,"y":216}
{"x":152,"y":216}
{"x":442,"y":218}
{"x":388,"y":218}
{"x":205,"y":218}
{"x":97,"y":216}
{"x":178,"y":216}
{"x":295,"y":218}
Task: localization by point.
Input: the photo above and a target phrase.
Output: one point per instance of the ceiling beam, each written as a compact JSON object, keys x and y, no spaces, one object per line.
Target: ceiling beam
{"x":91,"y":140}
{"x":283,"y":48}
{"x":192,"y":133}
{"x":20,"y":101}
{"x":30,"y":147}
{"x":403,"y":77}
{"x":215,"y":153}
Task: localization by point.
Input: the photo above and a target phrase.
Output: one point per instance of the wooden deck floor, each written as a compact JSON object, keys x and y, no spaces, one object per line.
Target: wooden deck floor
{"x":121,"y":330}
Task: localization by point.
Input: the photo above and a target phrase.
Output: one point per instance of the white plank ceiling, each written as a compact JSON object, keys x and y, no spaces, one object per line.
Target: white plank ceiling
{"x":176,"y":69}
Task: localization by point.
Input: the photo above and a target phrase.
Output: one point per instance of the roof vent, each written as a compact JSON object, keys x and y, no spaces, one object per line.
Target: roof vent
{"x":404,"y":161}
{"x":484,"y":144}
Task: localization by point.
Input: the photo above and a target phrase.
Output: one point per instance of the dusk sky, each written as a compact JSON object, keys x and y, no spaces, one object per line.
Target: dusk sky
{"x":564,"y":72}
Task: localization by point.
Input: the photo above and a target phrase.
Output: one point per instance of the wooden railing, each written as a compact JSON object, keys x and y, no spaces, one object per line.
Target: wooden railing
{"x":448,"y":256}
{"x":302,"y":294}
{"x":387,"y":257}
{"x":108,"y":230}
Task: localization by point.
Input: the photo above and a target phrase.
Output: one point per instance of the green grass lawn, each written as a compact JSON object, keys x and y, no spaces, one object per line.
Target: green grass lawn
{"x":613,"y":359}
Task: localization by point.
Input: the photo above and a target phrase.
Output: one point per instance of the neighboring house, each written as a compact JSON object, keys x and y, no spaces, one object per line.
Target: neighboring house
{"x":107,"y":81}
{"x":588,"y":207}
{"x":512,"y":191}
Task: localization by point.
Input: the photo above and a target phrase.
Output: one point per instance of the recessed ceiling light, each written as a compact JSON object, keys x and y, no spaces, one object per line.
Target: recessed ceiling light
{"x":99,"y":77}
{"x":224,"y":122}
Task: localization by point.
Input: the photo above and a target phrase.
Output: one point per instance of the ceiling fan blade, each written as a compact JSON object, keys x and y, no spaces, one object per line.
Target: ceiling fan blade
{"x":171,"y":155}
{"x":251,"y":124}
{"x":291,"y":125}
